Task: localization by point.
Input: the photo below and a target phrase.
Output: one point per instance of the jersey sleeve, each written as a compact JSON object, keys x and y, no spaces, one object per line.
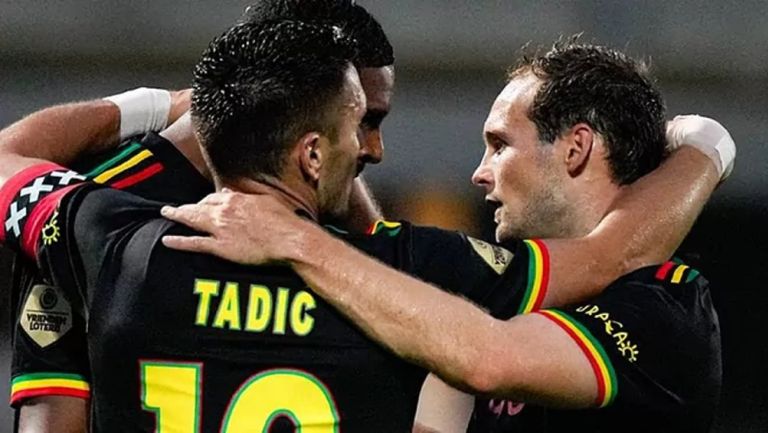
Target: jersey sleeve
{"x":52,"y":215}
{"x":507,"y":280}
{"x":50,"y":356}
{"x":45,"y":354}
{"x":150,"y":167}
{"x":649,"y":341}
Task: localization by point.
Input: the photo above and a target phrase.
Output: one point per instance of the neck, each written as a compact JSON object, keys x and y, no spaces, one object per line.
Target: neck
{"x":296,"y":198}
{"x":593,"y":198}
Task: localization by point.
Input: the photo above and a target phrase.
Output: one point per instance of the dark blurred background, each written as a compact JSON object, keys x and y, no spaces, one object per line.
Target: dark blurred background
{"x":710,"y":58}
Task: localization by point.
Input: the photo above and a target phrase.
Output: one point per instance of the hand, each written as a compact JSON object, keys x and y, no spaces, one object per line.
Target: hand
{"x":706,"y":135}
{"x":250,"y":229}
{"x":181,"y":101}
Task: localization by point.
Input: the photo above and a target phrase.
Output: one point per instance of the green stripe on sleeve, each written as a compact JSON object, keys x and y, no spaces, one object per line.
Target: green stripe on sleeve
{"x":114,"y":160}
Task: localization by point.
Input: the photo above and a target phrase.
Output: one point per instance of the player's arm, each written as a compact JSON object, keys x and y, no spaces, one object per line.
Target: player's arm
{"x":418,"y":321}
{"x":41,"y":408}
{"x":66,"y":132}
{"x":54,"y":414}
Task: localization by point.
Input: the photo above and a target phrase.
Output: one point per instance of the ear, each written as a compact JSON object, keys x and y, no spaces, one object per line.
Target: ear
{"x":579,"y":147}
{"x":311,"y":155}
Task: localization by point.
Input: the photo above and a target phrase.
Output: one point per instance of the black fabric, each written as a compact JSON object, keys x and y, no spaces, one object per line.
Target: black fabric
{"x":668,"y":364}
{"x":178,"y":182}
{"x":147,"y":309}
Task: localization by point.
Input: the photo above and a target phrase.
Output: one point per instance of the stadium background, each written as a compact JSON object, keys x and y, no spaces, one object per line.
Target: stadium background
{"x":710,"y":58}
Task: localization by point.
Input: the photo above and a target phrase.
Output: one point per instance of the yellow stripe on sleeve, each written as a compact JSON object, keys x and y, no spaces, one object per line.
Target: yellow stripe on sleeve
{"x":678,"y":275}
{"x":109,"y":174}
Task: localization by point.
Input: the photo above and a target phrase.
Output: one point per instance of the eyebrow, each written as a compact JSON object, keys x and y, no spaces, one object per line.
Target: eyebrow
{"x":491,"y":137}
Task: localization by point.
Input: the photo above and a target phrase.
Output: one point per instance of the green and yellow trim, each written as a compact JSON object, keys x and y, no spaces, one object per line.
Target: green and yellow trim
{"x":538,"y":276}
{"x":675,"y":272}
{"x":391,"y":228}
{"x":607,"y":384}
{"x":47,"y":384}
{"x":132,"y":162}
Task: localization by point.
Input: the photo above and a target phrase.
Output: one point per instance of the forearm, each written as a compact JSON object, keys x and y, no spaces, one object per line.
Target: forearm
{"x":415,"y":320}
{"x":645,"y":225}
{"x":54,"y":414}
{"x":63,"y":133}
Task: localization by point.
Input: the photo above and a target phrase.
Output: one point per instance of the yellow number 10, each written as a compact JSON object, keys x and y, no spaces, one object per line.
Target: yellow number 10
{"x":172,"y":392}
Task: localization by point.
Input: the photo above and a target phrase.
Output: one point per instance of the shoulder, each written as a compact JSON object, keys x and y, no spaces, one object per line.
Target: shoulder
{"x":673,"y":287}
{"x":666,"y":307}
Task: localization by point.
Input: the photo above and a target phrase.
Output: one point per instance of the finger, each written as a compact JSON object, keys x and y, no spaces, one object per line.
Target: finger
{"x":196,"y":244}
{"x":195,"y":216}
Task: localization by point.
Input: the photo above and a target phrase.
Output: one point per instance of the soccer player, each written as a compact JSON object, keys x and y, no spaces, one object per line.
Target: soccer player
{"x":564,"y":139}
{"x":63,"y":408}
{"x":50,"y":362}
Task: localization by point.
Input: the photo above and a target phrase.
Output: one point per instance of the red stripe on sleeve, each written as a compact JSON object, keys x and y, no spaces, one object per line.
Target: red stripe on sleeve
{"x":138,"y":177}
{"x":545,"y":270}
{"x":20,"y":396}
{"x":661,"y":274}
{"x":33,"y":228}
{"x":601,"y":388}
{"x":12,"y":186}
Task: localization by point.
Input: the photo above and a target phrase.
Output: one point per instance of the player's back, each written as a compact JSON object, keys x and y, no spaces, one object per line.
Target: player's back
{"x":197,"y":344}
{"x":212,"y":345}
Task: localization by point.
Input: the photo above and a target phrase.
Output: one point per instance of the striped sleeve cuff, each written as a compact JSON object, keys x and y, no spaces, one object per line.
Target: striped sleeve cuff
{"x":538,"y":276}
{"x":607,"y":384}
{"x":48,"y":384}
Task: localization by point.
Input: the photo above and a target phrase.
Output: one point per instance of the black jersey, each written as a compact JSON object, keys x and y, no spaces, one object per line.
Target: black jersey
{"x":53,"y":360}
{"x":653,"y":341}
{"x":194,"y":342}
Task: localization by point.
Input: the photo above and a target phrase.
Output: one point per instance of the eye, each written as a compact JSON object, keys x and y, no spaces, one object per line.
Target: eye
{"x":498,"y":146}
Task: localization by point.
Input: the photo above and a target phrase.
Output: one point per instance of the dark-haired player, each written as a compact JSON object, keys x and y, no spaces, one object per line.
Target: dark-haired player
{"x":62,"y":408}
{"x":50,"y":381}
{"x":564,"y":139}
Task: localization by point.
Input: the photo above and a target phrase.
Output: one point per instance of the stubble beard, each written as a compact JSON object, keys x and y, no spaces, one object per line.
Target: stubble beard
{"x":547,"y":214}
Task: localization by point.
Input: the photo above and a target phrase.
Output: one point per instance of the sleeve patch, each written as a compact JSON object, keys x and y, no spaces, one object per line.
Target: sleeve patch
{"x":496,"y":257}
{"x":46,"y":315}
{"x":607,"y":383}
{"x":48,"y":384}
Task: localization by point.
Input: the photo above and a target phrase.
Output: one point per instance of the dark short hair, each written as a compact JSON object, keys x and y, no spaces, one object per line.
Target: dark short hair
{"x":259,"y":87}
{"x":605,"y":89}
{"x":373,"y":47}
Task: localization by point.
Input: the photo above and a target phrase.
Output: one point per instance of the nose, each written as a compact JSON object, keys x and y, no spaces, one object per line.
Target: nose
{"x":372,"y":145}
{"x":483,"y":176}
